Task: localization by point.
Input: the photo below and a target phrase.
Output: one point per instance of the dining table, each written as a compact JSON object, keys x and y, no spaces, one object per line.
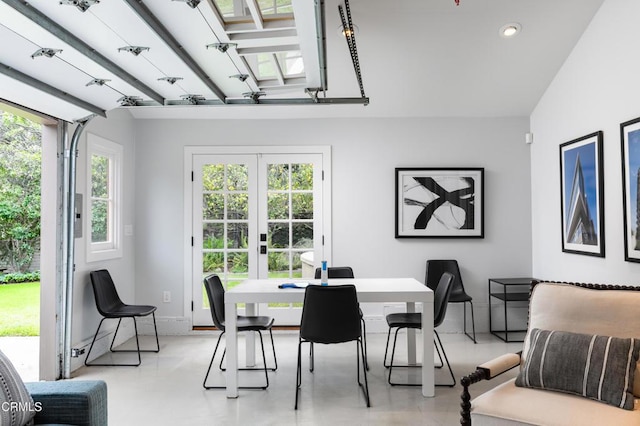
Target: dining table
{"x":253,"y":292}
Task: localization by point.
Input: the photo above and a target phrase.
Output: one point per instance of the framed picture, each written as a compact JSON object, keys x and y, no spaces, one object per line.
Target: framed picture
{"x":582,"y":195}
{"x":630,"y":138}
{"x":439,"y":203}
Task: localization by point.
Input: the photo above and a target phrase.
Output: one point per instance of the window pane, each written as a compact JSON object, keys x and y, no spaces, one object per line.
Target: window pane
{"x":278,"y":235}
{"x":278,"y":206}
{"x":213,"y":235}
{"x":237,"y":177}
{"x":238,"y":207}
{"x":99,"y":221}
{"x":296,"y":265}
{"x":99,"y":176}
{"x":212,"y":262}
{"x":302,"y":205}
{"x":278,"y":264}
{"x":302,"y":234}
{"x":213,"y":177}
{"x":291,"y":63}
{"x":278,"y":175}
{"x":271,"y":7}
{"x":238,"y":235}
{"x":302,"y":176}
{"x":212,"y":206}
{"x":238,"y":264}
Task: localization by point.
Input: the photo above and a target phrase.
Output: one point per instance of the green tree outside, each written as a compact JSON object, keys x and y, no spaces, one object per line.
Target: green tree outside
{"x":20,"y":166}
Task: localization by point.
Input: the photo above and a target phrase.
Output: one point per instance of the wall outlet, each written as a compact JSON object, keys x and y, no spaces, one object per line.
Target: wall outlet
{"x":76,"y":352}
{"x":166,"y":297}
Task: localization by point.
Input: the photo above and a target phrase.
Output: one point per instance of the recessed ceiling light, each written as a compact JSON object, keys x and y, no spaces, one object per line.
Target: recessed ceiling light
{"x":510,"y":30}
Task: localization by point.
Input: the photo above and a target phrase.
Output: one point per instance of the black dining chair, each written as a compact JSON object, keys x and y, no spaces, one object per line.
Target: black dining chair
{"x":215,"y":295}
{"x":344,"y":272}
{"x":435,"y":269}
{"x":414,"y":320}
{"x":110,"y":306}
{"x":330,"y":314}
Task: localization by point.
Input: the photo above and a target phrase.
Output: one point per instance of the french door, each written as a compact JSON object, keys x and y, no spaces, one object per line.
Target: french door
{"x":256,"y":216}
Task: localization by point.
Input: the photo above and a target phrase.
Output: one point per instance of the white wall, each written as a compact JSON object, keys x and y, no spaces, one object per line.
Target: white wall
{"x":596,"y":89}
{"x":365,"y":153}
{"x":119,"y":127}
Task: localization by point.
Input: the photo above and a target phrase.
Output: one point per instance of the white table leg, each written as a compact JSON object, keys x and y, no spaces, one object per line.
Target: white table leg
{"x":250,"y":309}
{"x":231,"y":314}
{"x":428,"y":379}
{"x":411,"y":338}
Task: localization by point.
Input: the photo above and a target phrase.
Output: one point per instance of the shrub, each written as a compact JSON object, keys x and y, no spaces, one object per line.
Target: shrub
{"x":15,"y":278}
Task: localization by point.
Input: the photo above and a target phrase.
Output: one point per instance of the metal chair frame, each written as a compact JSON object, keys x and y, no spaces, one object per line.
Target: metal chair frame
{"x":123,"y":311}
{"x":414,"y":321}
{"x":211,"y":282}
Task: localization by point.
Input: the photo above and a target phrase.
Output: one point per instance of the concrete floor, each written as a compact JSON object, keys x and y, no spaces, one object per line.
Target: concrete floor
{"x":167,"y":388}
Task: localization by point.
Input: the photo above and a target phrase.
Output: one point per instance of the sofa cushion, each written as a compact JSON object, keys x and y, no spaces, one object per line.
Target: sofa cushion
{"x":596,"y":367}
{"x":16,"y":406}
{"x":565,"y":307}
{"x":508,"y":404}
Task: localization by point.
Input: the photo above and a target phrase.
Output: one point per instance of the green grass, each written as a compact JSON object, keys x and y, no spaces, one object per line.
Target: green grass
{"x":20,"y":309}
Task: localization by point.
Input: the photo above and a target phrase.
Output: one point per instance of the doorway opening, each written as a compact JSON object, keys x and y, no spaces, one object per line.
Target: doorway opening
{"x":20,"y":221}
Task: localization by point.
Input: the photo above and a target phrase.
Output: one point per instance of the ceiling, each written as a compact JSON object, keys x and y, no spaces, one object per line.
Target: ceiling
{"x":416,"y":58}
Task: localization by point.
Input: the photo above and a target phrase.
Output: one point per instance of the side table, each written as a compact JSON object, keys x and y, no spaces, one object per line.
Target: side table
{"x":519,"y":289}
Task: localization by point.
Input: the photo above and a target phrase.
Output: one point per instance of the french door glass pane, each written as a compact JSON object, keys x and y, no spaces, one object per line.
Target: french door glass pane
{"x":225,"y":222}
{"x":289,"y":217}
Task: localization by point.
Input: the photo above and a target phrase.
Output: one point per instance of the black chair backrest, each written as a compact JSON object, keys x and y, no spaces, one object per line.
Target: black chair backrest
{"x":104,"y":290}
{"x":435,"y":269}
{"x":337,"y":272}
{"x":215,"y":294}
{"x":330,"y":314}
{"x":441,"y":298}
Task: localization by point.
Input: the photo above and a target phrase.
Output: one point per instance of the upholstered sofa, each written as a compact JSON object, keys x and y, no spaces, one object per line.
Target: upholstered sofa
{"x":65,"y":402}
{"x":578,"y":366}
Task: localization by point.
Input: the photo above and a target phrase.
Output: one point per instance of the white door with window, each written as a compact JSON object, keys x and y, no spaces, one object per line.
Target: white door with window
{"x":257,"y":215}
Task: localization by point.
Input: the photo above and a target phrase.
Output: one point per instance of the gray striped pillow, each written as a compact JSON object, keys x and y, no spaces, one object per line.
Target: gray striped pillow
{"x":16,"y":405}
{"x":596,"y":367}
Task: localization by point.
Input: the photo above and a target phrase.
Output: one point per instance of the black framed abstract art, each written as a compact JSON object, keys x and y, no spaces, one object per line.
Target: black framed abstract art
{"x":439,"y":202}
{"x":630,"y":138}
{"x":582,"y":195}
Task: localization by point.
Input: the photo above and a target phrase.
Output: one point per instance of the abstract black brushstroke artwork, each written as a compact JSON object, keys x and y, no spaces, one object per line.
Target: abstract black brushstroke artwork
{"x":439,"y":202}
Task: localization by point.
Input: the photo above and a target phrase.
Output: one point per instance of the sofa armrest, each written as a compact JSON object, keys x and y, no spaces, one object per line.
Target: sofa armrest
{"x":77,"y":402}
{"x":486,"y":371}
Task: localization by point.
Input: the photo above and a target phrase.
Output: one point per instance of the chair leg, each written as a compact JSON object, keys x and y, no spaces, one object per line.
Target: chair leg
{"x":204,"y":383}
{"x":473,"y":321}
{"x":275,"y":360}
{"x":386,"y":349}
{"x":156,"y":350}
{"x":364,"y":339}
{"x":264,"y":360}
{"x":393,"y":352}
{"x":137,"y":350}
{"x":299,"y":371}
{"x":453,"y":378}
{"x":273,"y":347}
{"x":311,"y":357}
{"x":365,"y":389}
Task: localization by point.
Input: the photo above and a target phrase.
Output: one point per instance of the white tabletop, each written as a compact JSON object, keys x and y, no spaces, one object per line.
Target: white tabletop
{"x":408,"y":290}
{"x":368,"y":289}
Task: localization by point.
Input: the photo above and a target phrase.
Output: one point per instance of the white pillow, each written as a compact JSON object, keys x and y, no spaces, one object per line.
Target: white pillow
{"x":16,"y":405}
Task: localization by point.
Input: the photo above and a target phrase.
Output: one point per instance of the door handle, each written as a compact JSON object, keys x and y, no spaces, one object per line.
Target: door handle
{"x":263,"y":249}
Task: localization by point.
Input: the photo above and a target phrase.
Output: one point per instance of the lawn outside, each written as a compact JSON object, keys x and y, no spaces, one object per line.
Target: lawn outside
{"x":20,"y":309}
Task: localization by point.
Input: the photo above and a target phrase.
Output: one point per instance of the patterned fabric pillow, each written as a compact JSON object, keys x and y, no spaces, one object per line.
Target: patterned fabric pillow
{"x":597,"y":367}
{"x":16,"y":405}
